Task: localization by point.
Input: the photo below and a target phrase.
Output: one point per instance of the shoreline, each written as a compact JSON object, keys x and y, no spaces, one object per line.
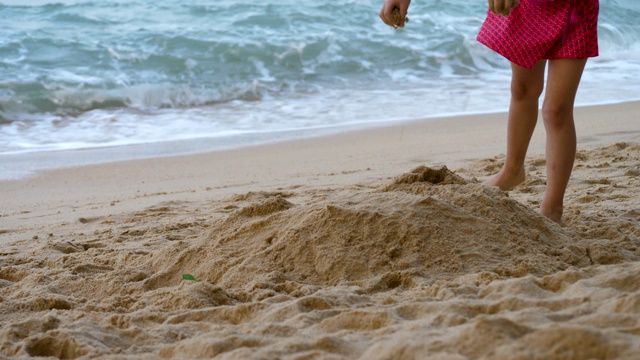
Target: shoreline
{"x":16,"y":166}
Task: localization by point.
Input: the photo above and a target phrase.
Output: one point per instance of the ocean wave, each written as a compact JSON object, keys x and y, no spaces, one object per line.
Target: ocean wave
{"x":81,"y":19}
{"x":55,"y":4}
{"x":66,"y":61}
{"x":33,"y":99}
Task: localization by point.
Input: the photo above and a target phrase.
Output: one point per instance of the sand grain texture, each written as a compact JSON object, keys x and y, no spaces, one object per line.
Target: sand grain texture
{"x":425,"y":264}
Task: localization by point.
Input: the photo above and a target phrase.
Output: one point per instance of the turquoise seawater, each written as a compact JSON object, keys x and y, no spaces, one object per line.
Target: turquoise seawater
{"x":103,"y":73}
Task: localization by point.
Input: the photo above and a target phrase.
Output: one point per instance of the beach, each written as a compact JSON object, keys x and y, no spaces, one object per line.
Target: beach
{"x":377,"y":243}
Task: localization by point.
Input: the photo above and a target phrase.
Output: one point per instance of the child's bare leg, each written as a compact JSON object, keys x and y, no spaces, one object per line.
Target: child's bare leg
{"x":526,"y":87}
{"x":557,"y":111}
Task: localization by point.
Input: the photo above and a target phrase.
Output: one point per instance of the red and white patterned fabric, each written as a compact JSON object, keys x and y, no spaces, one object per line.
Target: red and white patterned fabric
{"x":544,"y":29}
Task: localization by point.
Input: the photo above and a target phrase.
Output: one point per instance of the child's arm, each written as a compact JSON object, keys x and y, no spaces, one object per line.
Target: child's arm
{"x":387,"y":12}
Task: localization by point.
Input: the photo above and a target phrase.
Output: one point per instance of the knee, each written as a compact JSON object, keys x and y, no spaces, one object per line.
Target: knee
{"x":522,"y":91}
{"x":557,"y":115}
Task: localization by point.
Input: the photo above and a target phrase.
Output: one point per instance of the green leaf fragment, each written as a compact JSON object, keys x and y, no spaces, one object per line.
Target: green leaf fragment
{"x":189,"y":277}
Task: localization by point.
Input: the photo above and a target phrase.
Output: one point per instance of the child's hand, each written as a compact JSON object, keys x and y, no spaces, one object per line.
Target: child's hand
{"x":502,"y":7}
{"x":394,"y":12}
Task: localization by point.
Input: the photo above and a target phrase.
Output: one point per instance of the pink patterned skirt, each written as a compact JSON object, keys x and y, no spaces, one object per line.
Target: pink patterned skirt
{"x":544,"y":29}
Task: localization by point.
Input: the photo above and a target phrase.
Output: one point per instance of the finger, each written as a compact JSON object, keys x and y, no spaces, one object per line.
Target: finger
{"x":492,"y":6}
{"x":397,"y":18}
{"x":499,"y":6}
{"x":404,"y":8}
{"x":509,"y":6}
{"x":496,"y":6}
{"x":504,"y":10}
{"x":385,"y":16}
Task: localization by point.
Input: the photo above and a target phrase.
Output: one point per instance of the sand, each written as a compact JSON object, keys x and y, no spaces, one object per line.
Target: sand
{"x":371,"y":244}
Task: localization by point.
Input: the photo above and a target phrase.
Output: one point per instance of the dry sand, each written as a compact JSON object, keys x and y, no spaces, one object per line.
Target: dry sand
{"x":360,"y":245}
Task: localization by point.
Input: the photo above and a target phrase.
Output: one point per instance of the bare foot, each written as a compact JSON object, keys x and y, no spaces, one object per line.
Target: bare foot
{"x":506,"y":180}
{"x":554,"y":215}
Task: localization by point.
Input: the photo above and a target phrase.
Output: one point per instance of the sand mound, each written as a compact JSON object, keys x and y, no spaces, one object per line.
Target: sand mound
{"x":427,"y":265}
{"x":428,"y":224}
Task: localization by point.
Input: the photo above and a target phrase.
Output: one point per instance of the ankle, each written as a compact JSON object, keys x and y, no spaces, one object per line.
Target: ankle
{"x":552,"y":212}
{"x":507,"y":178}
{"x":514,"y":171}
